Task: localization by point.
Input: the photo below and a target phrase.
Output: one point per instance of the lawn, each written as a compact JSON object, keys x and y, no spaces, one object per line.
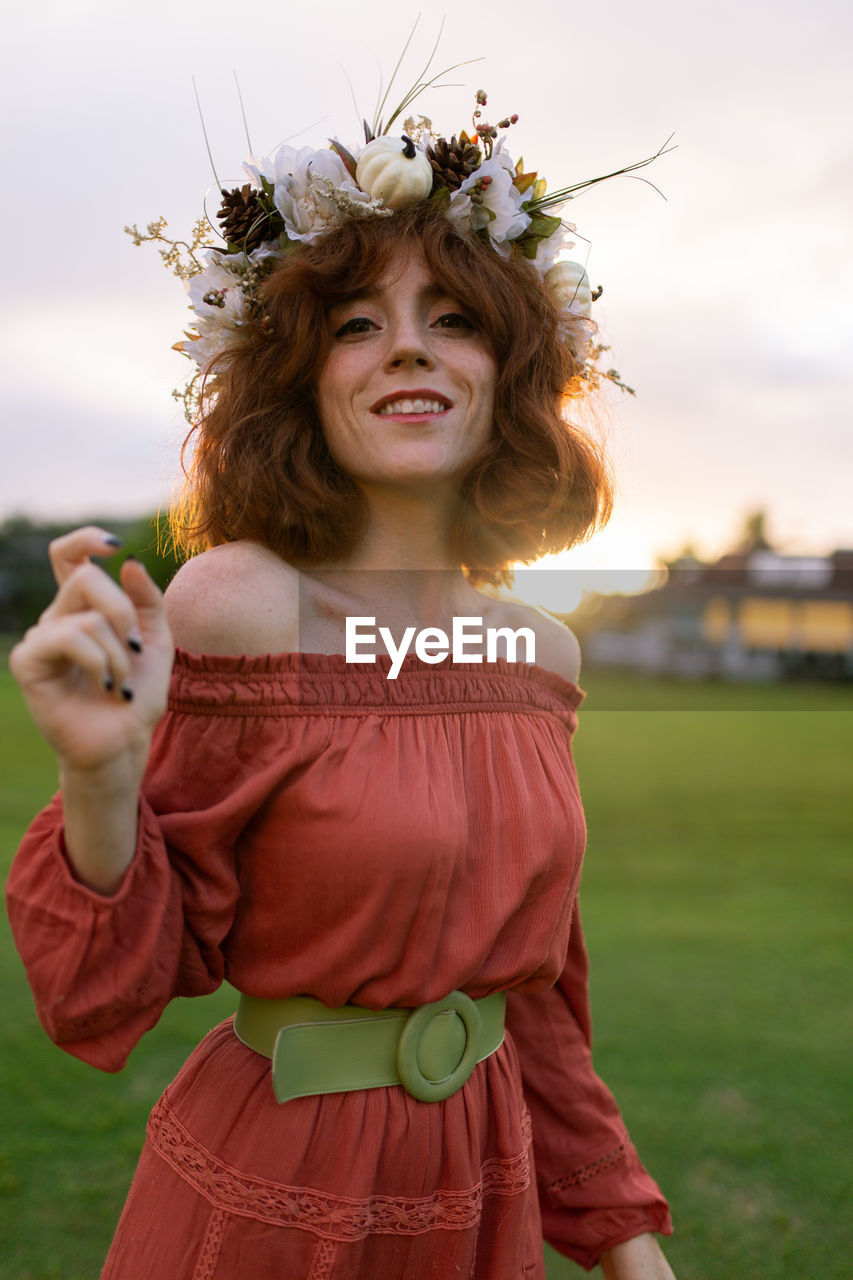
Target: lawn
{"x":716,"y":904}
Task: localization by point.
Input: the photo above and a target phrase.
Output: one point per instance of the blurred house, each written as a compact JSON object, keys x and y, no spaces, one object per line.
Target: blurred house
{"x":750,"y":616}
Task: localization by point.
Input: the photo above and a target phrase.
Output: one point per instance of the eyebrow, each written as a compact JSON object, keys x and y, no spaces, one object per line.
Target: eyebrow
{"x":428,"y":293}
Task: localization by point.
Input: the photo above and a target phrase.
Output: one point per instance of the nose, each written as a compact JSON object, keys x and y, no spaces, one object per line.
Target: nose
{"x":409,"y":346}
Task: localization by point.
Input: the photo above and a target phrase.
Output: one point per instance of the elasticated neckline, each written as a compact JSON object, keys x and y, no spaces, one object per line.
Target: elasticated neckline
{"x":235,"y":683}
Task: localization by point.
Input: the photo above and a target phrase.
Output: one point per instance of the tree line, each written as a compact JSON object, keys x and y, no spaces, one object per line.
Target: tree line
{"x":26,"y":582}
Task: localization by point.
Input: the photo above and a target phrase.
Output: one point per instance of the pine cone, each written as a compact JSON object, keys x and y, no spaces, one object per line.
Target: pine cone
{"x":452,"y":162}
{"x":244,"y":220}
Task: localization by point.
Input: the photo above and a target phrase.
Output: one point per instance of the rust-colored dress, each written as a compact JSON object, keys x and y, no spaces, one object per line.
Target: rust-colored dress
{"x":311,"y":827}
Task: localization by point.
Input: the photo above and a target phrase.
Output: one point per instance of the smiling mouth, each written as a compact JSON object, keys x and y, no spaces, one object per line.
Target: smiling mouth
{"x":426,"y":404}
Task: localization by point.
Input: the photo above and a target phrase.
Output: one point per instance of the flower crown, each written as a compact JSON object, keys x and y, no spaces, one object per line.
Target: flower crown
{"x":297,"y":195}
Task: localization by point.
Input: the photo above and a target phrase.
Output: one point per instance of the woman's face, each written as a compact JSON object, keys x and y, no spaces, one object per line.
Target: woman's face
{"x":407,"y":391}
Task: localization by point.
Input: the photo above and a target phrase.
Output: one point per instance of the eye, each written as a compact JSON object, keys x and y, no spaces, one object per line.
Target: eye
{"x":454,"y":320}
{"x":355,"y":325}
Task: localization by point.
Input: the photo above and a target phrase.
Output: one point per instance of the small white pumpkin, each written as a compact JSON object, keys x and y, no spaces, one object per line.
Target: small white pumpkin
{"x":394,"y":171}
{"x":570,"y":288}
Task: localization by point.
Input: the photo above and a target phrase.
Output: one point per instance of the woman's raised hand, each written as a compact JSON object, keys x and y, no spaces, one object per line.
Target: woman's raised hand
{"x":95,"y":669}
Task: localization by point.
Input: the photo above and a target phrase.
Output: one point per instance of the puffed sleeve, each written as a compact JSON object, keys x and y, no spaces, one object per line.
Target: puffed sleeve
{"x":102,"y":969}
{"x":594,"y":1192}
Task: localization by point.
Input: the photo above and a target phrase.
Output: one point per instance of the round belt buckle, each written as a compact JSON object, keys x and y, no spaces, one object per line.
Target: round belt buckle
{"x":409,"y":1068}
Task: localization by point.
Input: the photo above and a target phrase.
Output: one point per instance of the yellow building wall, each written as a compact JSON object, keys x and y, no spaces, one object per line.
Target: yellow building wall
{"x":717,"y":620}
{"x":826,"y":626}
{"x":816,"y":626}
{"x":767,"y":624}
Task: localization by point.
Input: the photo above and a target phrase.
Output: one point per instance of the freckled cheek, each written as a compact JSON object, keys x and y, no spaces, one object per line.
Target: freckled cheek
{"x":486,"y":415}
{"x":337,"y":407}
{"x":485,"y":387}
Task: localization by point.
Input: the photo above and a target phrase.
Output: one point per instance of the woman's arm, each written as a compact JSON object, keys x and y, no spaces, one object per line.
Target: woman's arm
{"x":637,"y":1259}
{"x":594,"y":1192}
{"x":94,"y":672}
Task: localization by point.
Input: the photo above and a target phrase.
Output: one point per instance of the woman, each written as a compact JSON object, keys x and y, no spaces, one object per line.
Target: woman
{"x":382,"y":438}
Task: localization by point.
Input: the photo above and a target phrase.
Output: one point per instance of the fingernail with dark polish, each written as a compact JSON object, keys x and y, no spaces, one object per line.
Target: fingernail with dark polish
{"x":112,"y":541}
{"x":131,"y":556}
{"x":109,"y":684}
{"x":127,"y":693}
{"x":134,"y":642}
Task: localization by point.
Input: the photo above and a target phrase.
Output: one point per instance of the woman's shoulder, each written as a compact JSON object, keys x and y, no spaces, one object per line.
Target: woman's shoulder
{"x":557,"y":647}
{"x":236,"y":598}
{"x":240,"y":598}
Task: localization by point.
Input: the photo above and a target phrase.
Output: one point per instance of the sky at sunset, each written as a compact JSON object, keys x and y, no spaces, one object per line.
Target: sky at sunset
{"x":727,"y":304}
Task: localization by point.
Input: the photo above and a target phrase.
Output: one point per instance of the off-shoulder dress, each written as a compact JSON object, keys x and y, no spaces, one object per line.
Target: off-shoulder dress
{"x":313,"y":827}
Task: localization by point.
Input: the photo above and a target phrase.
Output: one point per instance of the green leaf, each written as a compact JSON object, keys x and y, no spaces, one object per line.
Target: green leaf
{"x":441,"y":196}
{"x":543,"y":226}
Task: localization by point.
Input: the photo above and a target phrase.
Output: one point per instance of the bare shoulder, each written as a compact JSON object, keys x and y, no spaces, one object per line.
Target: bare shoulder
{"x":557,"y":647}
{"x":238,"y":598}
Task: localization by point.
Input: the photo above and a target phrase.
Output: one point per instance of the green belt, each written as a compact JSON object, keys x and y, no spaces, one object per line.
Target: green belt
{"x":431,"y":1050}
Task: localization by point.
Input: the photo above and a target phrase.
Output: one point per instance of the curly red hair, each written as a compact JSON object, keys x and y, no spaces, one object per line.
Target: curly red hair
{"x":259,"y":466}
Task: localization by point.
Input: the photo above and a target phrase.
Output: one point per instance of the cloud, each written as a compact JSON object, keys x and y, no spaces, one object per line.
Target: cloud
{"x":727,"y":306}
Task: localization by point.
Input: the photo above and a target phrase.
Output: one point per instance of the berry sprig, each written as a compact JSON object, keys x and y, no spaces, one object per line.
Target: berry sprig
{"x":488,"y":133}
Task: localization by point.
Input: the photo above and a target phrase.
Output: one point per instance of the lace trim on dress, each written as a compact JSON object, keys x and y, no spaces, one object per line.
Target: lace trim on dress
{"x":589,"y":1171}
{"x":323,"y":1260}
{"x":332,"y":1217}
{"x":209,"y":1256}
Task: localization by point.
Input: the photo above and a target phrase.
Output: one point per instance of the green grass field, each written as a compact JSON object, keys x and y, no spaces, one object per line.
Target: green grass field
{"x":716,"y":904}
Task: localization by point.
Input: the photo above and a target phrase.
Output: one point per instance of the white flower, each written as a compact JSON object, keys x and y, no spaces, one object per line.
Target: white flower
{"x":206,"y":346}
{"x":459,"y":211}
{"x":301,"y":181}
{"x":216,"y":292}
{"x":550,"y":250}
{"x":218,"y":302}
{"x":258,"y":167}
{"x":578,"y":333}
{"x":218,"y":299}
{"x":497,"y":206}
